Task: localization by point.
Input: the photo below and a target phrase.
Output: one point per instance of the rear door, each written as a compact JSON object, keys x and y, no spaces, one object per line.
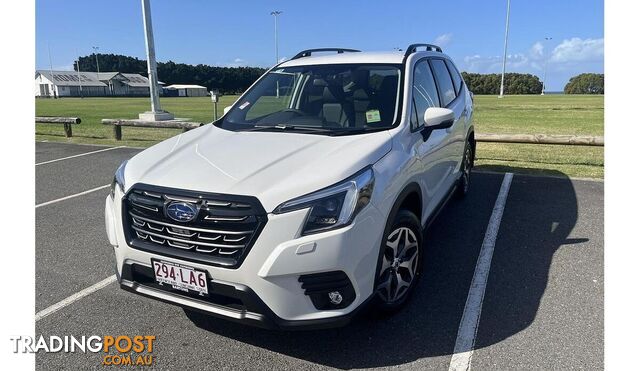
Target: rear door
{"x":451,"y":98}
{"x":431,"y":154}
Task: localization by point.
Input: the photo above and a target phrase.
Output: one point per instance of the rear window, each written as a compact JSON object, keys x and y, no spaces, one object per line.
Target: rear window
{"x":445,"y":85}
{"x":455,"y":75}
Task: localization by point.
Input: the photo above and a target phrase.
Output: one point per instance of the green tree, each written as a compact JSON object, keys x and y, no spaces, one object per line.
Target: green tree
{"x":585,"y":83}
{"x":514,"y":83}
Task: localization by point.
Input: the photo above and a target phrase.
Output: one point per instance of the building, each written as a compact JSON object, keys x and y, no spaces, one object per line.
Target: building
{"x":90,"y":84}
{"x":178,"y":90}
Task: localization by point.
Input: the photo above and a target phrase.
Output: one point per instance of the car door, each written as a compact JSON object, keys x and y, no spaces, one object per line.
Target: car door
{"x":430,"y":153}
{"x":450,"y":97}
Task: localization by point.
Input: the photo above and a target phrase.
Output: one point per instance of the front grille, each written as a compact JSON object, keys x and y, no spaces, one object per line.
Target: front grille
{"x":222,"y":232}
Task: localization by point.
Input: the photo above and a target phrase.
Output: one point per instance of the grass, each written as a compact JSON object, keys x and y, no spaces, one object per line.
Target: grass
{"x":549,"y":114}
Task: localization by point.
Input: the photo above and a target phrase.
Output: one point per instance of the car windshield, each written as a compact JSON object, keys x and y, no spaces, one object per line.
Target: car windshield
{"x":320,"y":99}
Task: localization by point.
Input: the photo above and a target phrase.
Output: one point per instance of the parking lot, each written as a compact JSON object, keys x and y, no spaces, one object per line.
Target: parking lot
{"x":543,"y":306}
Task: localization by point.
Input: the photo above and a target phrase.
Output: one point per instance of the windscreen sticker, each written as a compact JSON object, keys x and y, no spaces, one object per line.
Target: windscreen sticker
{"x":373,"y":116}
{"x":244,"y":105}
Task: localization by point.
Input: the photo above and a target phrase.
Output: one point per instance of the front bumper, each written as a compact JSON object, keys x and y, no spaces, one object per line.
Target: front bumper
{"x":265,"y":290}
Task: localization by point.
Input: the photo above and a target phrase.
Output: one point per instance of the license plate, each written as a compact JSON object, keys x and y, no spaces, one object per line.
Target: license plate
{"x":180,"y":277}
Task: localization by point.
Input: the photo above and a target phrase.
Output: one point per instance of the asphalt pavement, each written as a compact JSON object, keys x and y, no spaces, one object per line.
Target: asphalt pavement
{"x":543,"y":307}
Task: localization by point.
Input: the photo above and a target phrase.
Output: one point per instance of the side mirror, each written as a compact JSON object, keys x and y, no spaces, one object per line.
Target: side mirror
{"x":226,"y":109}
{"x":438,"y":118}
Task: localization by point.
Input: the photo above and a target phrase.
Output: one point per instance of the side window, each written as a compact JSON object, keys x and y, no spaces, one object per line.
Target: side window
{"x":455,"y":75}
{"x":425,"y":94}
{"x":445,"y":85}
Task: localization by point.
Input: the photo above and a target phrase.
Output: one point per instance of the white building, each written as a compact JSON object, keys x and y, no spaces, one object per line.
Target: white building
{"x":179,"y":90}
{"x":90,"y":84}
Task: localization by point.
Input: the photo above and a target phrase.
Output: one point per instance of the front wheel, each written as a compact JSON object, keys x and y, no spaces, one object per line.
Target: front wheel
{"x":400,"y":262}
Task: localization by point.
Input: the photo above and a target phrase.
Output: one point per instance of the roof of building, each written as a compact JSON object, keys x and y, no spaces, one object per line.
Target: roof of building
{"x":71,"y":78}
{"x":183,"y":86}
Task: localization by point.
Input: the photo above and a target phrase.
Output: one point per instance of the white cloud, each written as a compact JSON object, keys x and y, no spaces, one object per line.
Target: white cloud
{"x":443,"y":40}
{"x":537,"y":51}
{"x":578,"y":50}
{"x":492,"y":64}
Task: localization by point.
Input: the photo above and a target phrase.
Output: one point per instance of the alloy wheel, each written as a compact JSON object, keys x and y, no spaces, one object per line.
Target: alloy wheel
{"x":399,"y":265}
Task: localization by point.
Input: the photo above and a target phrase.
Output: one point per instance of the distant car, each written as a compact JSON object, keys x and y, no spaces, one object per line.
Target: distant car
{"x":307,"y":200}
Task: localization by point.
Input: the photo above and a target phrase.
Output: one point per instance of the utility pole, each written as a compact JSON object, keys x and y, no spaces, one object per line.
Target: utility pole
{"x":544,"y":75}
{"x":504,"y":58}
{"x":156,"y":113}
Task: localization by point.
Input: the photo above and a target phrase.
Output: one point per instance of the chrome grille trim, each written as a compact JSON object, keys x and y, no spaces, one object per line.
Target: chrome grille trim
{"x":221,"y":233}
{"x":180,"y":226}
{"x":165,"y":237}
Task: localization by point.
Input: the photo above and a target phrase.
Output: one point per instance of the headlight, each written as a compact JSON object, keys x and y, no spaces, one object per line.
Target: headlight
{"x":335,"y":206}
{"x":118,"y":179}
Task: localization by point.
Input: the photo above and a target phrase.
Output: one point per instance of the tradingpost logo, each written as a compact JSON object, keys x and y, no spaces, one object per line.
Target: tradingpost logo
{"x":119,"y":350}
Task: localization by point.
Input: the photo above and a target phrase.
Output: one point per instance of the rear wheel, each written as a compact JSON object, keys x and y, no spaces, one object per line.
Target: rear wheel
{"x":400,"y":262}
{"x":465,"y":168}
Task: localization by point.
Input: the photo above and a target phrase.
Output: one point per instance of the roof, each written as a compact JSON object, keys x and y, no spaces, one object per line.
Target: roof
{"x":135,"y":80}
{"x":106,"y":76}
{"x":70,"y":78}
{"x":386,"y":57}
{"x":182,"y":86}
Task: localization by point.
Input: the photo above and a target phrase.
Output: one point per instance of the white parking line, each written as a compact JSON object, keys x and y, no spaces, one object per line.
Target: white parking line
{"x":463,"y":350}
{"x":75,"y":297}
{"x":72,"y":196}
{"x":79,"y":155}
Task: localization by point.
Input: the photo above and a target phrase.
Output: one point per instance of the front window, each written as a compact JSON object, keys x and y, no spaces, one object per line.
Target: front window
{"x":320,"y":99}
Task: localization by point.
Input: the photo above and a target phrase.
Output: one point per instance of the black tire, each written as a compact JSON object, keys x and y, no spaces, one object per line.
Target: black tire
{"x":391,"y":289}
{"x":464,"y":182}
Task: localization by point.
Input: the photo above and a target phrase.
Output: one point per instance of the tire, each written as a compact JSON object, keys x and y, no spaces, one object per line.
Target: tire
{"x":400,"y":263}
{"x":464,"y":183}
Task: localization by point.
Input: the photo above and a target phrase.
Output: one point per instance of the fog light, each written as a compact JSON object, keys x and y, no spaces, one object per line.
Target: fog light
{"x":335,"y":297}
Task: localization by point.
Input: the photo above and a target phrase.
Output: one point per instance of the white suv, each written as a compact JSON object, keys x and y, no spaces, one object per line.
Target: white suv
{"x":307,"y":200}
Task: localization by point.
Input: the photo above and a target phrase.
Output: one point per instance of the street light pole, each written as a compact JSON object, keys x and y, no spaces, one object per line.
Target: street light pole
{"x":504,"y":58}
{"x":275,"y":15}
{"x":544,"y":75}
{"x":156,"y":112}
{"x":95,"y":52}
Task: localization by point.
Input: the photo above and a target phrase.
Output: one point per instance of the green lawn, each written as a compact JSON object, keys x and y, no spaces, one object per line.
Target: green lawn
{"x":549,"y":114}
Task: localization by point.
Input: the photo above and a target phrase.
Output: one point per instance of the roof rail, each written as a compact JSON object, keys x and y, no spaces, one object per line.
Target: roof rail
{"x":307,"y":53}
{"x":430,"y":48}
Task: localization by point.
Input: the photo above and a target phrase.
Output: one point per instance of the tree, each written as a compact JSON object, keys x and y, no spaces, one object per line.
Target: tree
{"x":229,"y":80}
{"x":514,"y":83}
{"x":585,"y":83}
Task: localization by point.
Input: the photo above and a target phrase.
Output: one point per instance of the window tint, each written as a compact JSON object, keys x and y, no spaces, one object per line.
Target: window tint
{"x":455,"y":75}
{"x":425,"y":94}
{"x":444,"y":81}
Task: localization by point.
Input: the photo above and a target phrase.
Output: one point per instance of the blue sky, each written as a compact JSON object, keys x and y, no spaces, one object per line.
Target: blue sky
{"x":233,"y":33}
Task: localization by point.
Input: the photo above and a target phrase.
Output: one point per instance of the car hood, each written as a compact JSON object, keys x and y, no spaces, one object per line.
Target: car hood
{"x":272,"y":166}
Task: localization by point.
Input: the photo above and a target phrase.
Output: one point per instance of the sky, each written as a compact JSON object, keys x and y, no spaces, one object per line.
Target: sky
{"x":241,"y":33}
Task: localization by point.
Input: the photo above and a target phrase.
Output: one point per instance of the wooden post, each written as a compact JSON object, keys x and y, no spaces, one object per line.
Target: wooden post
{"x":67,"y":130}
{"x":117,"y":132}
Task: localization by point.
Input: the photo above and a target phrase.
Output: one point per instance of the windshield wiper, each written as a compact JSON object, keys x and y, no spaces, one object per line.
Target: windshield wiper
{"x":284,"y":127}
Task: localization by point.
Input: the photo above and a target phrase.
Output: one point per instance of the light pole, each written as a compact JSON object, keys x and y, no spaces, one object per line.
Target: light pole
{"x":275,"y":15}
{"x":544,"y":75}
{"x":95,"y":52}
{"x":156,"y":113}
{"x":504,"y":58}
